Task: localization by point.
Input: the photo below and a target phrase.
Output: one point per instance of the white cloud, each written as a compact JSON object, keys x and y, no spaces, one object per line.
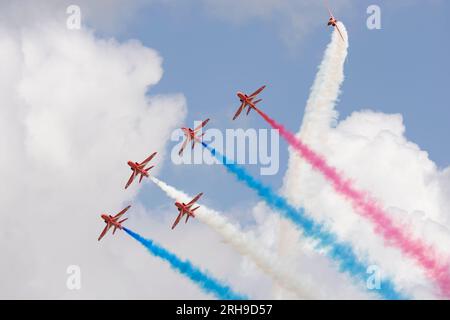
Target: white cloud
{"x":311,"y":265}
{"x":371,"y":149}
{"x":74,"y":110}
{"x":397,"y":173}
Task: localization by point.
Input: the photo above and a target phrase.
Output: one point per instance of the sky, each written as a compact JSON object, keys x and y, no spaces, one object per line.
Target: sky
{"x":78,"y":104}
{"x":221,"y":54}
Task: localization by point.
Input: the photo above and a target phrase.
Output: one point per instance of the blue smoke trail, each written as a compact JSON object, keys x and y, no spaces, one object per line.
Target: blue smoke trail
{"x":342,"y":253}
{"x":203,"y":280}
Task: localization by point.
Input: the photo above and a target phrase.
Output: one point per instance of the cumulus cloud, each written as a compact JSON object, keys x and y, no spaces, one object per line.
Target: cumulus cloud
{"x":74,"y":109}
{"x":371,"y":149}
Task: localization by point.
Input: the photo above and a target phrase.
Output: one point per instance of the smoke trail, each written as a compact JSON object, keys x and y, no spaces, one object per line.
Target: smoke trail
{"x":320,"y":114}
{"x":341,"y":253}
{"x":243,"y":243}
{"x":206,"y":282}
{"x":422,"y":253}
{"x":318,"y":117}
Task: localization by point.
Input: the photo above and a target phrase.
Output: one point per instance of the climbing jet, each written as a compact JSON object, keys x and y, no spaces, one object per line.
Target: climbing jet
{"x":190,"y":135}
{"x":333,"y":22}
{"x":185,"y":209}
{"x":113,"y":221}
{"x":139,"y":169}
{"x":247,"y":101}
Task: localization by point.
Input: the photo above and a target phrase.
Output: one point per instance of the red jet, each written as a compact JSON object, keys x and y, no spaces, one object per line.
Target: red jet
{"x":113,"y":222}
{"x":191,"y":135}
{"x":139,"y":169}
{"x":185,"y":209}
{"x":248,"y":101}
{"x":333,"y":22}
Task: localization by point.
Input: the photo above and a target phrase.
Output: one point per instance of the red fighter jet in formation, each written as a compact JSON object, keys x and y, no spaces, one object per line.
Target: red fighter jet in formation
{"x":139,"y":169}
{"x":247,"y":101}
{"x":185,"y":209}
{"x":333,"y":22}
{"x":113,"y":221}
{"x":190,"y":135}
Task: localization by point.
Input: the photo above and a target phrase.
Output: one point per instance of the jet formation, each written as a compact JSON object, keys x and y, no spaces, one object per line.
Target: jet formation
{"x":192,"y":136}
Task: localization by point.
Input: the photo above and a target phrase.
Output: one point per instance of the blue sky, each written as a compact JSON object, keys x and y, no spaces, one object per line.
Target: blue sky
{"x":402,"y":68}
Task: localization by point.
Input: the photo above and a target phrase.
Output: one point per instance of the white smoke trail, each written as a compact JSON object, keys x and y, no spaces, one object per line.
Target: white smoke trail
{"x":245,"y":244}
{"x":371,"y":149}
{"x":320,"y":114}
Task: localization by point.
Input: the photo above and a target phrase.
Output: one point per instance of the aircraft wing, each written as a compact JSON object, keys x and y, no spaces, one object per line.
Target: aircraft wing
{"x":331,"y":15}
{"x":177,"y":220}
{"x":328,"y":8}
{"x":133,"y":175}
{"x":117,"y":216}
{"x":182,"y":147}
{"x":201,"y":125}
{"x":254,"y":94}
{"x":337,"y":28}
{"x":105,"y":230}
{"x":199,"y":138}
{"x":147,"y":160}
{"x":239,"y":111}
{"x":195,"y":199}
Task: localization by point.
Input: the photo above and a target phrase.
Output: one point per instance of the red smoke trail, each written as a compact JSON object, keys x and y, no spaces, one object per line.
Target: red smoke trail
{"x":422,"y":253}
